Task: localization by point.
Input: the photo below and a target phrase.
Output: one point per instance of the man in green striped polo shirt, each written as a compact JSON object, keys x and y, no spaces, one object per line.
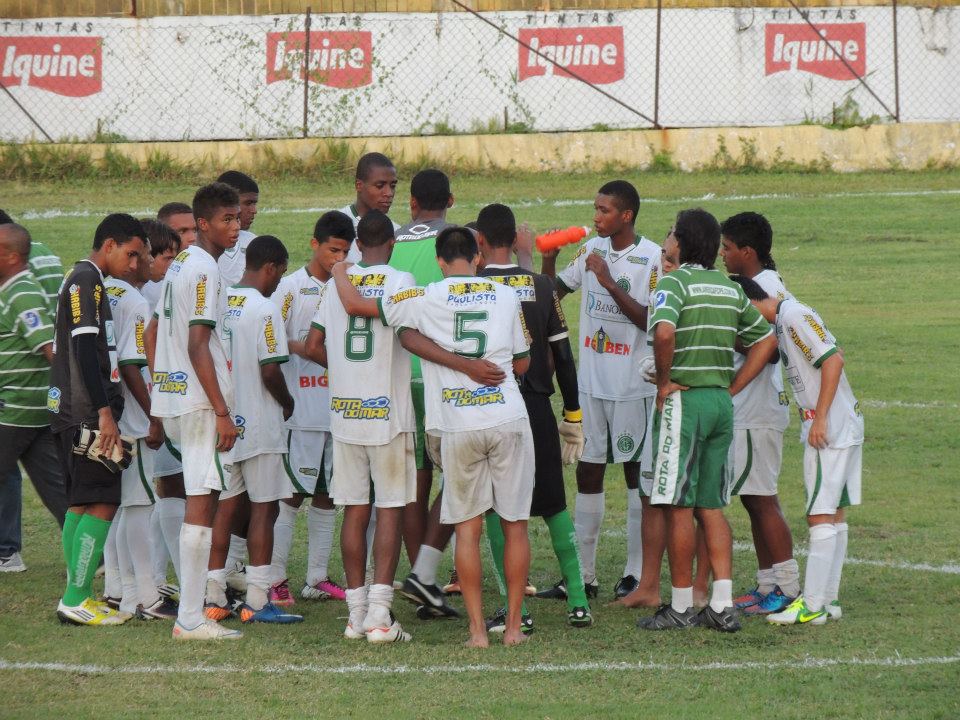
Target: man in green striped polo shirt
{"x":26,"y":348}
{"x":699,"y":316}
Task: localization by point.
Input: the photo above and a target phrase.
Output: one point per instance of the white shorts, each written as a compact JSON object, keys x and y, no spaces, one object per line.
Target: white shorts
{"x":390,"y":468}
{"x":486,"y":469}
{"x":310,"y":454}
{"x":136,"y":482}
{"x":194,"y":435}
{"x":615,"y":431}
{"x":263,"y":477}
{"x":754,"y":461}
{"x":165,"y":462}
{"x":832,"y":478}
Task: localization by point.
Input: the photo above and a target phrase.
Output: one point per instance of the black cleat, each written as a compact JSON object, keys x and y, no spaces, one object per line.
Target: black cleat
{"x":666,"y":618}
{"x":557,"y":592}
{"x":497,"y":623}
{"x":428,"y":612}
{"x":592,"y":588}
{"x":419,"y":593}
{"x":727,"y":620}
{"x":580,"y":617}
{"x":625,"y":585}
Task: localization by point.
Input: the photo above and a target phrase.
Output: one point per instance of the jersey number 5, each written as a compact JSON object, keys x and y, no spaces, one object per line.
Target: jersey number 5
{"x":462,"y":334}
{"x":359,"y":339}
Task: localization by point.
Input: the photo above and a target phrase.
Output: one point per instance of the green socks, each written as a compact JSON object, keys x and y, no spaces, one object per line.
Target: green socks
{"x":86,"y":549}
{"x":497,"y":542}
{"x":70,"y":521}
{"x":564,"y":540}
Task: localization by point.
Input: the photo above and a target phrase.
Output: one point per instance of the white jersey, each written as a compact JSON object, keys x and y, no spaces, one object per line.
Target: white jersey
{"x":805,"y":343}
{"x":252,"y":333}
{"x":611,"y":346}
{"x":190,"y":296}
{"x":474,"y":317}
{"x":234,"y":261}
{"x":151,"y":291}
{"x":130,"y":311}
{"x":298,"y":295}
{"x":354,"y":255}
{"x":763,"y":403}
{"x":370,"y":402}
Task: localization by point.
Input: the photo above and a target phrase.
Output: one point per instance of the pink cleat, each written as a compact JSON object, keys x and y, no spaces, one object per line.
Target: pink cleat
{"x":325,"y":589}
{"x":280,"y":594}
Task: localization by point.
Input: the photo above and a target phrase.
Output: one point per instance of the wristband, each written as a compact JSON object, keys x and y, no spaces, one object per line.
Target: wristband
{"x":226,"y":414}
{"x":573,"y":415}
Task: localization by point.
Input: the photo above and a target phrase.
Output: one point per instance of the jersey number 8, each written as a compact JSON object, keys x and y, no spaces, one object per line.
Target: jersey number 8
{"x":359,"y":340}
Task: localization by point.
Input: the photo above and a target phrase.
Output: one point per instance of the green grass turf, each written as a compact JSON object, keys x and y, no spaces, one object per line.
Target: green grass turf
{"x":875,"y":253}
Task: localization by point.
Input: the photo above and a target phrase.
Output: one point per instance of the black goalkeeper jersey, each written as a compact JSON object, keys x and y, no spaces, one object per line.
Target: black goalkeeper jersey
{"x":544,"y":318}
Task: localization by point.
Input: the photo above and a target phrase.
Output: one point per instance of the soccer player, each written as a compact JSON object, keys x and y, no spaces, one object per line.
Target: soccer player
{"x":616,"y":272}
{"x":256,"y":346}
{"x":309,"y":443}
{"x":232,"y":263}
{"x":549,"y":349}
{"x":179,"y":217}
{"x":832,"y":433}
{"x":164,"y":247}
{"x":760,"y":417}
{"x":193,"y":392}
{"x":26,"y":350}
{"x":484,"y":431}
{"x":130,"y":533}
{"x":85,"y":398}
{"x":376,"y":186}
{"x":698,"y":316}
{"x":373,"y":430}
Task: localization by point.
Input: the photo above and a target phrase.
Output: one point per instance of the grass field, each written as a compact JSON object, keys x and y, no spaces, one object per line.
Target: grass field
{"x":876,"y":254}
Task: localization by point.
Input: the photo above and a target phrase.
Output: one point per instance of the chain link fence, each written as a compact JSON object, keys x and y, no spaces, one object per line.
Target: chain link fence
{"x":339,"y":75}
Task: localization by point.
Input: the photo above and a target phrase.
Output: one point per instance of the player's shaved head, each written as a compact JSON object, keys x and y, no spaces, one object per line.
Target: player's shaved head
{"x":369,"y":162}
{"x":266,"y":249}
{"x":431,"y":189}
{"x":375,"y":229}
{"x":498,"y":225}
{"x":5,"y":218}
{"x":241,"y":181}
{"x":698,"y":235}
{"x":15,"y":238}
{"x":456,"y":243}
{"x":625,"y":196}
{"x":171,"y":209}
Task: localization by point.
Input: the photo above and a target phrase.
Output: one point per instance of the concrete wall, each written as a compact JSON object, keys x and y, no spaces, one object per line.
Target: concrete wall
{"x":879,"y":147}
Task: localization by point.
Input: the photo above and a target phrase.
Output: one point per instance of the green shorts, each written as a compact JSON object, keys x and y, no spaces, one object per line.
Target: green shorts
{"x":419,"y":410}
{"x":692,"y":438}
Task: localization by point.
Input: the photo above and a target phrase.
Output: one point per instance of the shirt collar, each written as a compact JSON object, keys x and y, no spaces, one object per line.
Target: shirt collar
{"x":9,"y":282}
{"x":95,"y":266}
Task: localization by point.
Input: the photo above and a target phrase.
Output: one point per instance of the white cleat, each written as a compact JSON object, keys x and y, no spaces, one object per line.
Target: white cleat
{"x":391,"y":633}
{"x":350,"y":634}
{"x":207,"y":630}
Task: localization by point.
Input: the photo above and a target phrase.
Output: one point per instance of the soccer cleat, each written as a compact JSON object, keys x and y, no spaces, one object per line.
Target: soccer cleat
{"x":725,"y":621}
{"x":89,"y":612}
{"x":237,"y":578}
{"x":388,"y":633}
{"x":280,"y":594}
{"x":797,"y":613}
{"x":269,"y":613}
{"x":123,"y":616}
{"x":111,"y":602}
{"x":557,"y":592}
{"x":772,"y":602}
{"x":752,"y":597}
{"x":216,"y":613}
{"x":452,"y":587}
{"x":325,"y":589}
{"x":430,"y":596}
{"x":666,"y":618}
{"x":833,"y":610}
{"x":625,"y":586}
{"x":530,"y":590}
{"x":592,"y":588}
{"x":580,"y":617}
{"x":428,"y":612}
{"x":163,"y":609}
{"x":351,"y":634}
{"x":12,"y":563}
{"x":497,"y":623}
{"x":207,"y":630}
{"x":169,"y":591}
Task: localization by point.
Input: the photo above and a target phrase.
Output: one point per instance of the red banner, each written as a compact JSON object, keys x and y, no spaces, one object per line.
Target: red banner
{"x":799,"y":47}
{"x":593,"y":53}
{"x":338,"y":59}
{"x":71,"y":66}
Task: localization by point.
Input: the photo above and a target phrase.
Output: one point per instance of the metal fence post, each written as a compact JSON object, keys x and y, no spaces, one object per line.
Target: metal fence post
{"x":306,"y":71}
{"x":896,"y":67}
{"x":656,"y":71}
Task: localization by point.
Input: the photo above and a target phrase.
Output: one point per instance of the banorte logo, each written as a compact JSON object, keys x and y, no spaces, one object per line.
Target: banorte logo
{"x":71,"y":66}
{"x":593,"y":53}
{"x":817,"y":50}
{"x":339,"y":59}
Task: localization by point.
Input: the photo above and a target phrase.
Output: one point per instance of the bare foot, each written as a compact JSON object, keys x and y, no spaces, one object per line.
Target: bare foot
{"x":477,"y":641}
{"x":699,"y":599}
{"x":514,"y":637}
{"x":640,"y":597}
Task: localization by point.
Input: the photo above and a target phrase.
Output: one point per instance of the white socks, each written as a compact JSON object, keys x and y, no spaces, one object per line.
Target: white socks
{"x":722,"y":595}
{"x":425,"y":567}
{"x":787,"y":576}
{"x":634,"y":564}
{"x":357,"y":606}
{"x":112,"y":584}
{"x":836,"y":568}
{"x":169,"y":513}
{"x":195,"y":541}
{"x":237,"y":552}
{"x":320,"y":527}
{"x":379,"y":602}
{"x":258,"y":584}
{"x":681,"y":599}
{"x":282,"y":542}
{"x":767,"y":580}
{"x":136,"y":559}
{"x":587,"y":519}
{"x":823,"y":545}
{"x":159,"y":551}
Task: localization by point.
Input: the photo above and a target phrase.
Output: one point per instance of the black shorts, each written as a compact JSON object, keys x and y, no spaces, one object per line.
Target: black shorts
{"x":549,"y":496}
{"x":87,"y":481}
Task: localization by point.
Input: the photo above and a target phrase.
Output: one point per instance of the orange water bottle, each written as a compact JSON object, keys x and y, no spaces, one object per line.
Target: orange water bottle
{"x":559,"y":238}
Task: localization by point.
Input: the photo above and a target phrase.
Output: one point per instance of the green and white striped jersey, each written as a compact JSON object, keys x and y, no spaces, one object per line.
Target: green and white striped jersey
{"x":47,"y":270}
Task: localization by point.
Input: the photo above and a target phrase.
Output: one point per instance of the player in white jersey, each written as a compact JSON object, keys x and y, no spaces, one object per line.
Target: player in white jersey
{"x":760,"y":417}
{"x":233,"y":261}
{"x":372,"y":424}
{"x":179,"y":217}
{"x":485,"y":443}
{"x":376,"y":186}
{"x":832,"y":433}
{"x":193,"y":392}
{"x":309,"y":443}
{"x":252,"y":333}
{"x":131,"y":538}
{"x":616,"y":273}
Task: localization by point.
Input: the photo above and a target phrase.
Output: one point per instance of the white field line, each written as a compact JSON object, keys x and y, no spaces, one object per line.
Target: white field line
{"x":895,"y":661}
{"x":54,"y":213}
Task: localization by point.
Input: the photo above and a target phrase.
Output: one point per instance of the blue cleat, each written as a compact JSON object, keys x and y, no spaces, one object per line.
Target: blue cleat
{"x":746,"y":600}
{"x":773,"y":602}
{"x":269,"y":613}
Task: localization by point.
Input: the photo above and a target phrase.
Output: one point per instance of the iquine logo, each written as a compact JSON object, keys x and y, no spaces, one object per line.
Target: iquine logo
{"x":594,"y":53}
{"x":819,"y":50}
{"x":338,"y":59}
{"x":70,"y":66}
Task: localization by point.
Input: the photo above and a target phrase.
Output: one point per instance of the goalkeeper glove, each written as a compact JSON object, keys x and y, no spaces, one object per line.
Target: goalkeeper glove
{"x":87,"y":442}
{"x":648,"y":369}
{"x":571,"y":435}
